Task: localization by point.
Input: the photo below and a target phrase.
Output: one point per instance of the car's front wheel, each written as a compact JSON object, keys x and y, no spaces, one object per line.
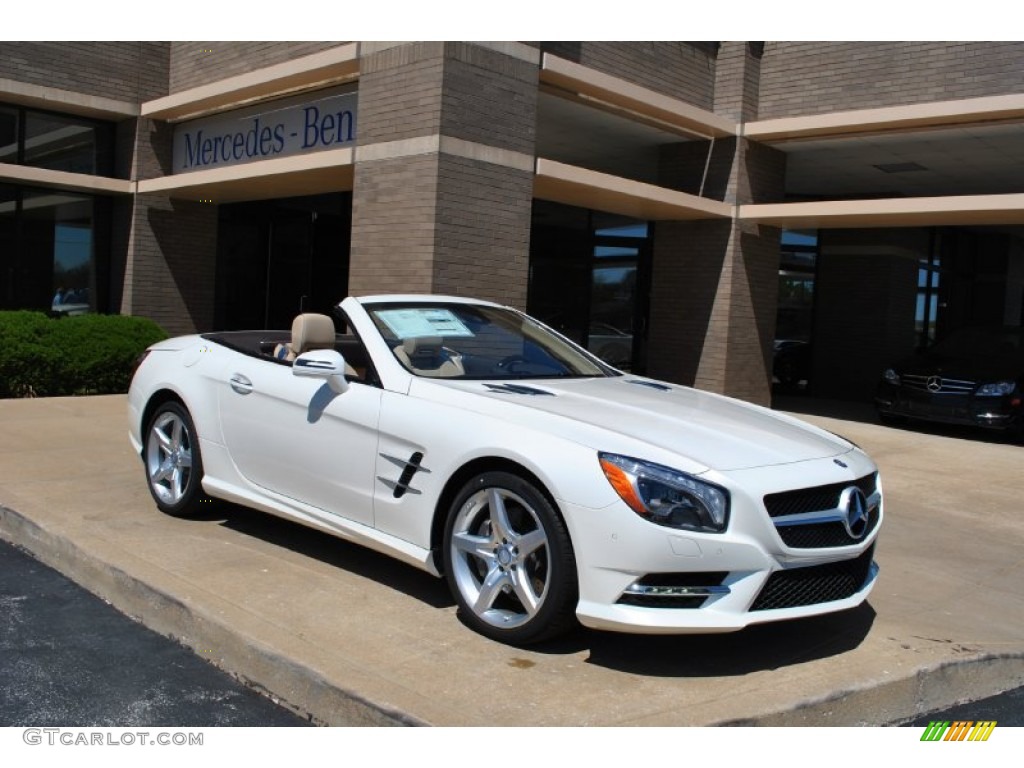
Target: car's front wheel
{"x":509,"y":561}
{"x":174,"y":466}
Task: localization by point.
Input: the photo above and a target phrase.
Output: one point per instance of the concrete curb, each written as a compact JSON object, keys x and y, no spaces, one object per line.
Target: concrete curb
{"x":306,"y":692}
{"x":898,"y":701}
{"x":286,"y":682}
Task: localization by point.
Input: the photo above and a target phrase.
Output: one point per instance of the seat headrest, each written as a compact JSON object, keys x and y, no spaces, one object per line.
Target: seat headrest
{"x":422,"y":346}
{"x":312,"y":331}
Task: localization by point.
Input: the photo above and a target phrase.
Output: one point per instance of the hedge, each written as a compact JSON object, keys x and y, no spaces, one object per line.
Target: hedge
{"x":81,"y":355}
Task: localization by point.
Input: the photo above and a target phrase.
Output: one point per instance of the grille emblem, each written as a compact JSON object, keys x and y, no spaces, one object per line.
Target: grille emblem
{"x":855,"y":504}
{"x":934,"y":383}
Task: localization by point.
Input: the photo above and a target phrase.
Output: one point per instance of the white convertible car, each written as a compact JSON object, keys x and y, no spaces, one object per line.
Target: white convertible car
{"x":475,"y":443}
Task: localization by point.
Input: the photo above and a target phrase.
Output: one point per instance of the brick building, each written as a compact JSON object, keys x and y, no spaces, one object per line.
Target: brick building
{"x":675,"y":206}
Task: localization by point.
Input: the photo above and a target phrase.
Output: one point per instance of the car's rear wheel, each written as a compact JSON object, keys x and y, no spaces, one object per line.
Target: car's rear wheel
{"x":174,"y":466}
{"x":509,"y":561}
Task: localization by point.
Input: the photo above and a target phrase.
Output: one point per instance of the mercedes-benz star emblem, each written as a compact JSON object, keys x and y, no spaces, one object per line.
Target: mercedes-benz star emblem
{"x":855,"y":503}
{"x":934,"y":383}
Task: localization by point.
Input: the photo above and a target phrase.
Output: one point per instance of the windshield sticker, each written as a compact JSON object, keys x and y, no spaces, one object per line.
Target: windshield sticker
{"x":413,"y":323}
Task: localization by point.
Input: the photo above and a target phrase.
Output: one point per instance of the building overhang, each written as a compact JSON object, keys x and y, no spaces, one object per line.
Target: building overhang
{"x":937,"y":114}
{"x":69,"y":182}
{"x":584,"y":188}
{"x":967,"y":210}
{"x":318,"y":70}
{"x":69,"y":102}
{"x":312,"y":174}
{"x":634,"y":101}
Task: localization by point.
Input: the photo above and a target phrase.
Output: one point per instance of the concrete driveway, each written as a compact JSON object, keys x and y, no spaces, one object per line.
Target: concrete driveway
{"x":339,"y":632}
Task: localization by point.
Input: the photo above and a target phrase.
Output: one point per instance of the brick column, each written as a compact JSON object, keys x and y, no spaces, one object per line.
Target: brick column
{"x":715,"y":283}
{"x":444,"y":169}
{"x":171,"y":259}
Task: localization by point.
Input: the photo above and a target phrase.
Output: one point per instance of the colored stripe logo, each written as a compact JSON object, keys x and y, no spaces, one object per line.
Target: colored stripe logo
{"x":958,"y":730}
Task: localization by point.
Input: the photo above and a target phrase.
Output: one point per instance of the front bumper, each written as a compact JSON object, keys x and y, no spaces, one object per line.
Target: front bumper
{"x":998,"y":413}
{"x":723,"y":615}
{"x":638,"y":577}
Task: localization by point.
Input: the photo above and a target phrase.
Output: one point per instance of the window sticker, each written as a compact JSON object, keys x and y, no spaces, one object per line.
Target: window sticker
{"x":412,"y":323}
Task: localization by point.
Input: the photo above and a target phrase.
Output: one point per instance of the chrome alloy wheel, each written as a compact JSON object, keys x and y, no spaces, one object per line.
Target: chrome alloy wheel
{"x":169,"y":458}
{"x":500,"y":557}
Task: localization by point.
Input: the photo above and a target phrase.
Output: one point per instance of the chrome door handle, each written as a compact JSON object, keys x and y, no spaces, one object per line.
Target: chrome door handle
{"x":240,"y":384}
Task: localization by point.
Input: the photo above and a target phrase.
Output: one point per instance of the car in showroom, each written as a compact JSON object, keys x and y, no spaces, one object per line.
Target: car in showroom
{"x":973,"y":377}
{"x":545,"y":486}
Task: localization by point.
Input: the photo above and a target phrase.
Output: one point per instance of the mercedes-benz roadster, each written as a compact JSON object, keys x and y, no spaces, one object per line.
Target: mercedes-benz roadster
{"x":479,"y":445}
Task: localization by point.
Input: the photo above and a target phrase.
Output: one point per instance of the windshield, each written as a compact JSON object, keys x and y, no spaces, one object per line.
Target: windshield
{"x":471,"y":341}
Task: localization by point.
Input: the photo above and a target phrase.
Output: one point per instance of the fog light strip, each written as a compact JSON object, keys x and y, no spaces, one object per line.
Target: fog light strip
{"x":655,"y":591}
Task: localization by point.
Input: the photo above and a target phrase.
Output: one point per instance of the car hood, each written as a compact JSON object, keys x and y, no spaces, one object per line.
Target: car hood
{"x":968,"y":368}
{"x":711,"y":431}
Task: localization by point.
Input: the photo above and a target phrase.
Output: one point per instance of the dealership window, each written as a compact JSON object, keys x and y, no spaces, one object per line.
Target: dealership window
{"x":926,"y":316}
{"x":8,"y":135}
{"x":55,"y":142}
{"x":53,"y":244}
{"x":797,"y":263}
{"x":589,"y":279}
{"x":49,"y":246}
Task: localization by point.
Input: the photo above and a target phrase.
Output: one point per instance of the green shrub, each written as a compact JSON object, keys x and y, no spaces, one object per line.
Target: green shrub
{"x":82,"y":355}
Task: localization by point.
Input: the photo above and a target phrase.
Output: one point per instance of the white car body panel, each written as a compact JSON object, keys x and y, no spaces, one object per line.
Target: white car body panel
{"x":291,"y":447}
{"x":324,"y":444}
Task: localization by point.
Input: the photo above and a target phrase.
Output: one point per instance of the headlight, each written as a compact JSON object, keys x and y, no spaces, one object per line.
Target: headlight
{"x":996,"y":389}
{"x":666,"y":496}
{"x":891,"y":376}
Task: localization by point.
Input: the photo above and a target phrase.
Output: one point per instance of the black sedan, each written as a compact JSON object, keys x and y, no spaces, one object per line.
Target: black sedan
{"x":974,"y":377}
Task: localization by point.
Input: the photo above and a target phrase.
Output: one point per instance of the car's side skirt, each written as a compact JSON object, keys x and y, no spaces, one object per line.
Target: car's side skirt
{"x":357,"y":533}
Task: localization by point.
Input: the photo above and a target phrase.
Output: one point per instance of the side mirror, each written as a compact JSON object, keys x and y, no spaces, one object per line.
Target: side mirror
{"x":323,"y":364}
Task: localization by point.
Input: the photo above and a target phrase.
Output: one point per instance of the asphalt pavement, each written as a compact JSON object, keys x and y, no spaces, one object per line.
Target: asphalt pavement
{"x":68,"y":658}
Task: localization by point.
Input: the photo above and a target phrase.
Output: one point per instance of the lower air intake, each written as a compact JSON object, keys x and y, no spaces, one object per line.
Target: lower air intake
{"x":817,"y":584}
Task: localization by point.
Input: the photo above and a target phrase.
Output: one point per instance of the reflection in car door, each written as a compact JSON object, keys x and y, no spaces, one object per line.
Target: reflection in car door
{"x":295,"y":437}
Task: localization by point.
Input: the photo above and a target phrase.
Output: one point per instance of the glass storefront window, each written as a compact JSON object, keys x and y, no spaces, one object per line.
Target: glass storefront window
{"x":48,"y":250}
{"x":56,"y":142}
{"x":8,"y":135}
{"x":8,"y":251}
{"x":59,"y":143}
{"x":927,"y":310}
{"x":57,"y":241}
{"x":588,"y":280}
{"x":796,"y":286}
{"x":49,"y":239}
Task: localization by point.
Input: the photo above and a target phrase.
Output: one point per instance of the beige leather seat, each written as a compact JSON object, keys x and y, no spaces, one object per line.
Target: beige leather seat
{"x":310,"y":331}
{"x":425,"y":356}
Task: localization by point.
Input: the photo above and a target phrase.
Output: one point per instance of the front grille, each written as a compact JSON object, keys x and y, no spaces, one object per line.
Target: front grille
{"x":937,"y":385}
{"x":822,"y":535}
{"x":814,"y":584}
{"x":815,"y":499}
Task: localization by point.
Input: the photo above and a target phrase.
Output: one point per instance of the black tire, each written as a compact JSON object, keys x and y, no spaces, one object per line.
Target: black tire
{"x":509,"y":561}
{"x":172,"y":461}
